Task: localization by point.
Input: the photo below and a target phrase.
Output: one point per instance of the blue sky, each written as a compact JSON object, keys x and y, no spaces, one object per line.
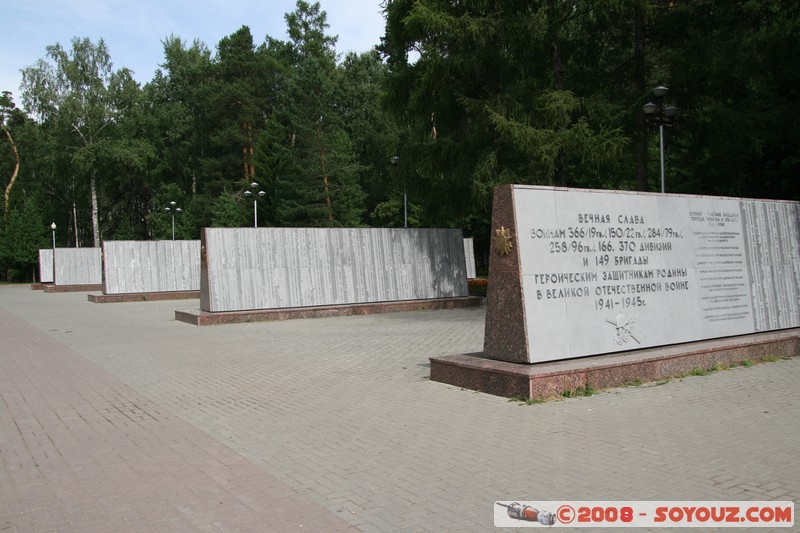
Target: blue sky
{"x":134,"y":29}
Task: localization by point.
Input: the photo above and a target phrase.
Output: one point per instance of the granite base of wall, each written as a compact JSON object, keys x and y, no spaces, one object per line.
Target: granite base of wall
{"x":142,"y":297}
{"x":547,"y":380}
{"x":40,"y":286}
{"x":204,"y":318}
{"x":74,"y":288}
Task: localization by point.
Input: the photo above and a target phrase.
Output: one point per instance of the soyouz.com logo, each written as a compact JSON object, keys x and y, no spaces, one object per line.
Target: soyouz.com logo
{"x":619,"y":514}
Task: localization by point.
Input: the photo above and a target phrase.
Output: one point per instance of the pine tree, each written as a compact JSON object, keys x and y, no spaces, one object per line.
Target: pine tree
{"x":315,"y":171}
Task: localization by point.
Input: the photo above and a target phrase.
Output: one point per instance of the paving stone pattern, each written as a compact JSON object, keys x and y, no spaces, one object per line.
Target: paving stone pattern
{"x":119,"y":418}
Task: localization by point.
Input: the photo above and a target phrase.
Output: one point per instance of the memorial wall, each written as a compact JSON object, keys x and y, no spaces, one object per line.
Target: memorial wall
{"x":269,"y":268}
{"x":131,"y":267}
{"x":469,"y":257}
{"x":46,"y":265}
{"x":593,"y":272}
{"x":78,"y":266}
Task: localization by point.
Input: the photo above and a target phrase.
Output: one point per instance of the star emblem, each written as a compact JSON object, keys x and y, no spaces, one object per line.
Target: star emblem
{"x":503,"y":242}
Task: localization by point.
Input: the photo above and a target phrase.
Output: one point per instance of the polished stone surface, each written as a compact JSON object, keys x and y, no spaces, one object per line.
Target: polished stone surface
{"x":469,"y":257}
{"x":46,"y":265}
{"x":551,"y":379}
{"x":78,"y":266}
{"x":593,"y":272}
{"x":270,"y":268}
{"x":131,"y":267}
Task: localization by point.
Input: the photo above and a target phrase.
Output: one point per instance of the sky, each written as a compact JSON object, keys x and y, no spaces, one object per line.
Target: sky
{"x":133,"y":30}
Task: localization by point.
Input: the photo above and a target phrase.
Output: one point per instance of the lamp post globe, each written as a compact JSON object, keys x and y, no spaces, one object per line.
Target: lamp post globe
{"x":255,"y":196}
{"x":659,"y":114}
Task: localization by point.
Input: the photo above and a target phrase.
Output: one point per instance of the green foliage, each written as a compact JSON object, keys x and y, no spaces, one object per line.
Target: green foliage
{"x":82,"y":104}
{"x":159,"y":219}
{"x":21,"y":236}
{"x":225,"y":212}
{"x":391,"y":214}
{"x":468,"y":95}
{"x":315,"y":171}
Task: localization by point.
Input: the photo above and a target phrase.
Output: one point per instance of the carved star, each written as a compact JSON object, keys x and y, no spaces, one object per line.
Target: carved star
{"x":503,"y":242}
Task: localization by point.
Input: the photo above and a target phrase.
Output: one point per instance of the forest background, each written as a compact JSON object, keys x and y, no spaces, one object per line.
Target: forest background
{"x":458,"y":97}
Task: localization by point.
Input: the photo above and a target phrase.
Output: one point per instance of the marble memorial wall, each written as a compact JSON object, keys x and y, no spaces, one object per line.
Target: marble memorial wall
{"x":151,"y":266}
{"x":602,"y":272}
{"x":78,"y":266}
{"x":469,"y":257}
{"x":46,"y":265}
{"x":268,"y":268}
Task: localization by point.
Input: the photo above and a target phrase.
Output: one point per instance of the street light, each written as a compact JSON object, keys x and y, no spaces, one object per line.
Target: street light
{"x":172,"y":209}
{"x":261,"y":194}
{"x":53,"y":227}
{"x":394,"y":161}
{"x":658,"y":114}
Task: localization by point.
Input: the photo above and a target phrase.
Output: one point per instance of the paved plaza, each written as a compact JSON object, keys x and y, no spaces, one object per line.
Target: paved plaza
{"x":115,"y":417}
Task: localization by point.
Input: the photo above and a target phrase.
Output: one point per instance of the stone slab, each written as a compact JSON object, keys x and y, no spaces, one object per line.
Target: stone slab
{"x":204,"y":318}
{"x":78,"y":266}
{"x":89,"y":287}
{"x":45,"y":265}
{"x":545,"y":380}
{"x":469,"y":257}
{"x":142,"y":297}
{"x":575,"y":273}
{"x":269,"y":268}
{"x":131,"y":267}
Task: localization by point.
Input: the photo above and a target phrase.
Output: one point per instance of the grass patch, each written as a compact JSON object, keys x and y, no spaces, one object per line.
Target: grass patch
{"x":773,"y":358}
{"x":580,"y":391}
{"x":587,"y":390}
{"x":523,"y":400}
{"x":697,"y":371}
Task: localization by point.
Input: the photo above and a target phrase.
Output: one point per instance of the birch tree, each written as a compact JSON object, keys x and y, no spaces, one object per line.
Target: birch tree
{"x":74,"y":94}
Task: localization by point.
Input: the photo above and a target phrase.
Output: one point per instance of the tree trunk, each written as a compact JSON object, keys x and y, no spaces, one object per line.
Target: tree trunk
{"x":75,"y":224}
{"x":13,"y":175}
{"x":95,"y":216}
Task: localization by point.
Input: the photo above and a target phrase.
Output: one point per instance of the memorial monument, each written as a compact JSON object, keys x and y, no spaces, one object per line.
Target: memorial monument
{"x":274,"y":273}
{"x":149,"y":270}
{"x":45,"y":267}
{"x":579,"y":273}
{"x":76,"y":270}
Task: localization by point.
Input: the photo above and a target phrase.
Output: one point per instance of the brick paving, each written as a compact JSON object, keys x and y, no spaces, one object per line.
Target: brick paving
{"x":119,"y":418}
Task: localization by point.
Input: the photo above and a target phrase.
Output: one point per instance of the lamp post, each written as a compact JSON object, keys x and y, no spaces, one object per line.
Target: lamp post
{"x":395,"y":159}
{"x":53,"y":227}
{"x":658,"y":113}
{"x":255,"y":196}
{"x":172,"y":209}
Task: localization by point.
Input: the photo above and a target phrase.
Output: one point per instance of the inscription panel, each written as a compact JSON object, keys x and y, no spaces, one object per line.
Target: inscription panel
{"x":267,"y":268}
{"x":605,"y":271}
{"x":469,"y":257}
{"x":131,"y":267}
{"x":46,"y":265}
{"x":78,"y":266}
